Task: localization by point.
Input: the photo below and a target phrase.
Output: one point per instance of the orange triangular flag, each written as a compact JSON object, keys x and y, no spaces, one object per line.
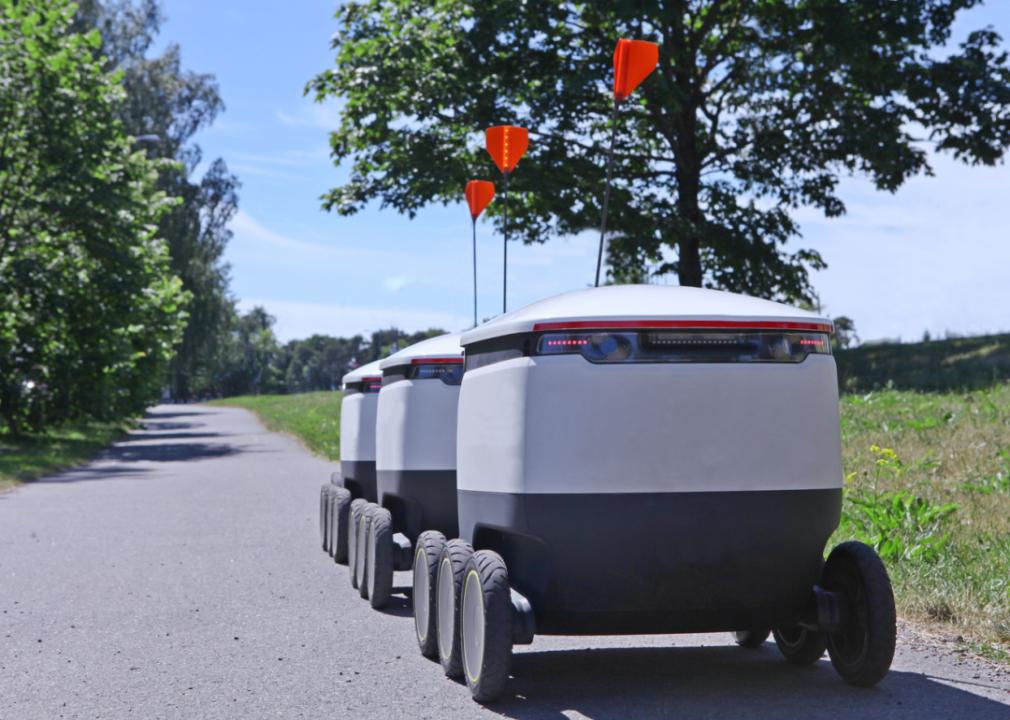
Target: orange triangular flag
{"x":506,"y":144}
{"x":478,"y":194}
{"x":633,"y":61}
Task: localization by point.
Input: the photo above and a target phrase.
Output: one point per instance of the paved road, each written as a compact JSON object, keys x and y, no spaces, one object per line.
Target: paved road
{"x":180,"y":576}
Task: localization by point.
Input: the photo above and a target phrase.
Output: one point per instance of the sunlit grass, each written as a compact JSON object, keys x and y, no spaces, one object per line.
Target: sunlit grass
{"x":314,"y":418}
{"x":30,"y":457}
{"x":944,"y":448}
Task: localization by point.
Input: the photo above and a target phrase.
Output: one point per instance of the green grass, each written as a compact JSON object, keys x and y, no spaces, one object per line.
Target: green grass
{"x":939,"y":365}
{"x":30,"y":457}
{"x":927,"y":482}
{"x":313,"y":418}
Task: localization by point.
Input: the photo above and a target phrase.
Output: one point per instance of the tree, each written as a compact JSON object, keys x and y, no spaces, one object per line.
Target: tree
{"x":845,"y":335}
{"x":250,"y":356}
{"x":90,"y":309}
{"x":758,"y":107}
{"x":166,"y":101}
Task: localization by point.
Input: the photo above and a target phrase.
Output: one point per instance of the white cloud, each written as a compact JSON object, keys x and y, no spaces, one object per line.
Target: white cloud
{"x":324,"y":116}
{"x":393,"y":284}
{"x":300,"y":319}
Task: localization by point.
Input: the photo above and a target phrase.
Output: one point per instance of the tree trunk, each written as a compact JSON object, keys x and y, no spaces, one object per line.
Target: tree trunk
{"x":688,"y":209}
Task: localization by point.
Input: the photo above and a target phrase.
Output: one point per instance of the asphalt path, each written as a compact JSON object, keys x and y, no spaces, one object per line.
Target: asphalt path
{"x":180,"y":576}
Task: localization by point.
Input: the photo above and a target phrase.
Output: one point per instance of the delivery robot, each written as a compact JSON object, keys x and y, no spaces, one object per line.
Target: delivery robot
{"x":415,"y":462}
{"x":652,"y":459}
{"x":356,"y":478}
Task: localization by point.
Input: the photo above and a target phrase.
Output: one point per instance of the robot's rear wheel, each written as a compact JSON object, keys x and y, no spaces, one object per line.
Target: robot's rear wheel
{"x":862,"y":648}
{"x":751,"y":639}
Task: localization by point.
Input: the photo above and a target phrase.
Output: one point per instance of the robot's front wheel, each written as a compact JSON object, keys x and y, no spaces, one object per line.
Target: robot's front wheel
{"x":430,"y":545}
{"x":361,"y":560}
{"x":486,"y":625}
{"x":340,"y":503}
{"x":862,"y":646}
{"x":751,"y":639}
{"x":800,"y":645}
{"x":354,"y":514}
{"x":379,"y":575}
{"x":451,"y":567}
{"x":324,"y":499}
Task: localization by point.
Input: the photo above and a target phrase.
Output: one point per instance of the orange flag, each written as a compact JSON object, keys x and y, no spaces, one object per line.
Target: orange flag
{"x":506,"y":144}
{"x":633,"y":61}
{"x":478,"y":194}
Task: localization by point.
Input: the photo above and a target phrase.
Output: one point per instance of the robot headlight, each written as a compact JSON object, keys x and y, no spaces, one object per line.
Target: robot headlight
{"x":678,"y":346}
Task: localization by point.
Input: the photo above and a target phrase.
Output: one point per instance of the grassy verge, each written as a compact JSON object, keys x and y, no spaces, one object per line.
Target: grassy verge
{"x":29,"y":457}
{"x":927,"y":483}
{"x":314,"y":418}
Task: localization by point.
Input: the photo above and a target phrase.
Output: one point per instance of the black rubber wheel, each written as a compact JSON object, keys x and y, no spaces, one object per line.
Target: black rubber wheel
{"x":361,"y":560}
{"x":751,"y":639}
{"x":863,"y":647}
{"x":353,"y":521}
{"x":380,"y":557}
{"x":451,"y":566}
{"x":486,"y":626}
{"x":429,"y":549}
{"x":799,"y":645}
{"x":324,"y":496}
{"x":340,"y":504}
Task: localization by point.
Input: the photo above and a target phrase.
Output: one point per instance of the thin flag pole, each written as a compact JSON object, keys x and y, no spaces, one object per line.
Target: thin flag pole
{"x":606,"y":191}
{"x":505,"y":254}
{"x":474,"y":223}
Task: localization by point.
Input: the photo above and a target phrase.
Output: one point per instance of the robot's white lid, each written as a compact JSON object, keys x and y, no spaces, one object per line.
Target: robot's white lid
{"x":443,"y":346}
{"x":613,"y":306}
{"x":357,"y":374}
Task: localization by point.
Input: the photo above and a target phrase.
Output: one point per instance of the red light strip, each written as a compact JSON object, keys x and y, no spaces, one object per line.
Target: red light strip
{"x":436,"y":361}
{"x":694,"y":324}
{"x":372,"y":379}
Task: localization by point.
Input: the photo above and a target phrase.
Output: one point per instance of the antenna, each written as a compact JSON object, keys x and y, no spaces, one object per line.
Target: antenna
{"x":478,"y":194}
{"x":506,"y":144}
{"x":633,"y":61}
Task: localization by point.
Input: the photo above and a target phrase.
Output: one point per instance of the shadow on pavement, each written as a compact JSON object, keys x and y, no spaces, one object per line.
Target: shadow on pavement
{"x":718,"y":682}
{"x":157,"y":441}
{"x":148,"y":434}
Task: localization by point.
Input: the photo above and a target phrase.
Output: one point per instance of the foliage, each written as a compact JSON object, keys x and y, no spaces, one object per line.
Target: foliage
{"x":254,"y":363}
{"x":845,"y":334}
{"x":937,"y":365}
{"x":173,"y":104}
{"x":91,"y":310}
{"x":35,"y":455}
{"x":314,"y":418}
{"x":898,"y":525}
{"x":756,"y":109}
{"x":910,"y":456}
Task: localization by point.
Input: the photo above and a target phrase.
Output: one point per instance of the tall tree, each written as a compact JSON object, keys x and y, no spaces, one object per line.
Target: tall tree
{"x":89,"y":308}
{"x":758,"y":107}
{"x":169,"y":105}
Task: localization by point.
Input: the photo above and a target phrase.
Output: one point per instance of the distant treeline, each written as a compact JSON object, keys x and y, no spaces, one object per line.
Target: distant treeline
{"x":255,"y":363}
{"x":934,"y":365}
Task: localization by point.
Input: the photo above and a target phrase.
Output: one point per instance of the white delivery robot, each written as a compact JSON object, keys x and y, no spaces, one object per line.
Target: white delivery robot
{"x":654,"y":459}
{"x":415,"y":462}
{"x":356,"y":478}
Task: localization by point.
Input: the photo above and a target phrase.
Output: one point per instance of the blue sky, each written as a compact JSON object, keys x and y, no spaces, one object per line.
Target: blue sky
{"x":934,"y":256}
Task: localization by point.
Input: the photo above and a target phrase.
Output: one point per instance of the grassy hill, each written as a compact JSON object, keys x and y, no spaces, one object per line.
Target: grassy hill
{"x":953,"y":364}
